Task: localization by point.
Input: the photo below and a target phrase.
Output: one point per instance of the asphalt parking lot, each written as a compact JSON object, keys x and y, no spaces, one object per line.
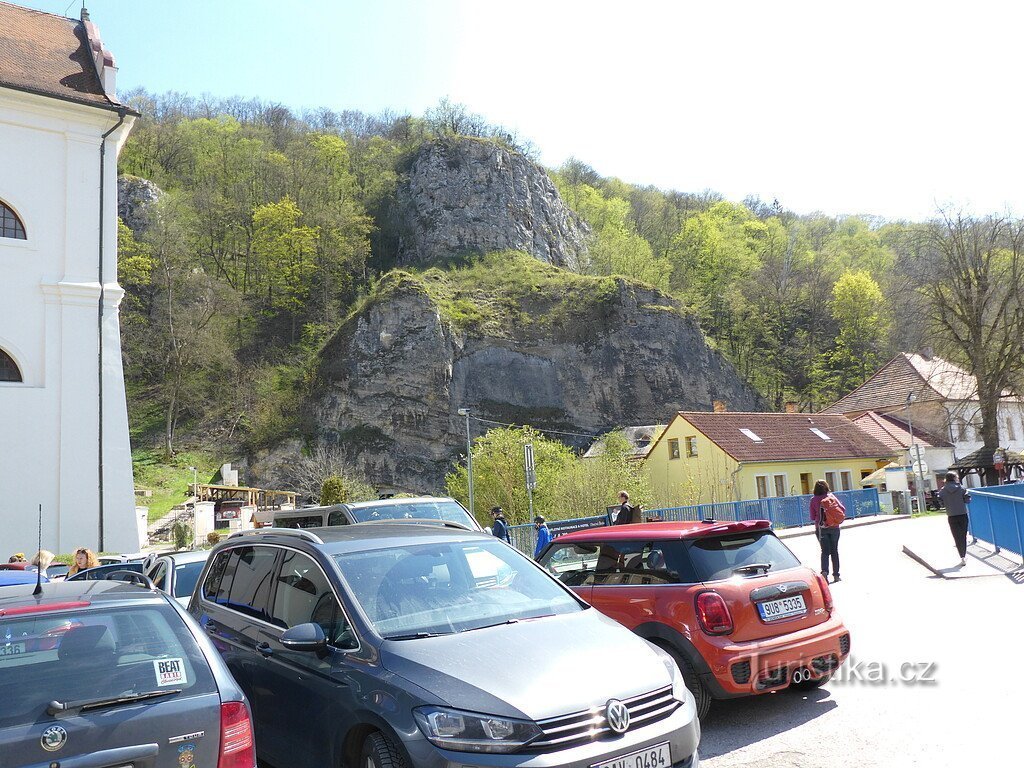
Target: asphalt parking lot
{"x":963,"y":635}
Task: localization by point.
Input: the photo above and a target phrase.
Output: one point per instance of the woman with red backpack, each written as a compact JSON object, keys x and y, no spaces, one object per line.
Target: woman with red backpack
{"x":827,"y":514}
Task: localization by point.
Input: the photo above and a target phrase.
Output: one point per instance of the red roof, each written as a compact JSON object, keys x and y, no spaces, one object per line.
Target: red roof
{"x":49,"y":55}
{"x":757,"y":437}
{"x":895,"y":433}
{"x":675,"y":530}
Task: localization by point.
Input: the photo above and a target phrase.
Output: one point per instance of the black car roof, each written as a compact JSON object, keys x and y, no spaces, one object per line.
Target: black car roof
{"x":362,"y":536}
{"x":108,"y":593}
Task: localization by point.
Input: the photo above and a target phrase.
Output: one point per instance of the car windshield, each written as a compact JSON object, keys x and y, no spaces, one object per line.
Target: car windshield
{"x":185,"y":577}
{"x":430,"y":589}
{"x":720,"y":557}
{"x":451,"y":511}
{"x":71,"y":656}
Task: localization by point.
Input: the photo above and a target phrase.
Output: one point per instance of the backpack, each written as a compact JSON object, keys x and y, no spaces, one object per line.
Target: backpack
{"x":831,"y":511}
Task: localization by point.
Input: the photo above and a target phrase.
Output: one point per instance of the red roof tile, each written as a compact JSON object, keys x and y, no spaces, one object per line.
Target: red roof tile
{"x":49,"y":55}
{"x":895,"y":433}
{"x":786,"y":436}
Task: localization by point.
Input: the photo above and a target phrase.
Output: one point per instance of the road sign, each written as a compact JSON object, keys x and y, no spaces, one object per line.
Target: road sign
{"x":531,"y":469}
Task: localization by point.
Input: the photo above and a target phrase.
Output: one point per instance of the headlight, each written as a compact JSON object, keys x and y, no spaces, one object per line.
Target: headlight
{"x":678,"y":684}
{"x":472,"y":732}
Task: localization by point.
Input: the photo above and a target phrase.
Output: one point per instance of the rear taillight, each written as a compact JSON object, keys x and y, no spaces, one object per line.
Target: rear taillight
{"x":826,"y":593}
{"x":237,"y":749}
{"x":713,"y":614}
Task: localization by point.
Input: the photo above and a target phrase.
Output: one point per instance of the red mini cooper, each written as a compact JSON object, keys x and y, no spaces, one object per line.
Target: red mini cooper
{"x":728,"y":600}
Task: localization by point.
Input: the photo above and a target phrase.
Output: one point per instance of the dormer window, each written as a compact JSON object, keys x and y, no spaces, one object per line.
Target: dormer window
{"x":10,"y":224}
{"x":751,"y":435}
{"x":821,"y":434}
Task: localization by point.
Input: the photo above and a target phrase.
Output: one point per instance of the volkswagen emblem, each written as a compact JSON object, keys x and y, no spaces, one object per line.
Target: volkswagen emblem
{"x":617,"y":715}
{"x":53,"y":738}
{"x":782,"y":587}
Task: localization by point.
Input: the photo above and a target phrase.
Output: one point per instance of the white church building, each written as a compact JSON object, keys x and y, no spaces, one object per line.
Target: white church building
{"x":63,"y":415}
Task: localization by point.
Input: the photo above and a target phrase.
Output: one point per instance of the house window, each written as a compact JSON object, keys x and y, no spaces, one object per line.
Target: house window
{"x":961,"y":429}
{"x":821,"y":434}
{"x":780,"y":485}
{"x":691,"y":447}
{"x":806,"y":486}
{"x":847,"y":480}
{"x":762,"y":486}
{"x":753,"y":436}
{"x":8,"y":368}
{"x":10,"y":224}
{"x":1011,"y":433}
{"x":832,"y":479}
{"x":673,"y":449}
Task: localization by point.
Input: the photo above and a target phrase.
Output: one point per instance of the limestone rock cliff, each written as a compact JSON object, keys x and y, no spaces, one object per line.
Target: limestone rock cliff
{"x":471,"y":196}
{"x":135,"y":200}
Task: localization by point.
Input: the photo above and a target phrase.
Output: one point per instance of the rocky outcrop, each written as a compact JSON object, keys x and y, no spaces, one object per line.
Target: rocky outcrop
{"x":473,"y":196}
{"x":135,"y":200}
{"x":395,"y":375}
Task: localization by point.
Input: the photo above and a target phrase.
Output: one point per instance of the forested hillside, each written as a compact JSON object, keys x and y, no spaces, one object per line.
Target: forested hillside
{"x":272,"y":227}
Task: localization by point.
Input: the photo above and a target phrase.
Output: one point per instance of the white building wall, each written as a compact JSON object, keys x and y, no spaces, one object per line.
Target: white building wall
{"x":49,"y":292}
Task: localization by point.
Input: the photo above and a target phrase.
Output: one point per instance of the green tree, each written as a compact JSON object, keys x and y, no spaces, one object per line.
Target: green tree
{"x":588,"y":486}
{"x":285,"y":250}
{"x":859,"y":309}
{"x":333,"y":491}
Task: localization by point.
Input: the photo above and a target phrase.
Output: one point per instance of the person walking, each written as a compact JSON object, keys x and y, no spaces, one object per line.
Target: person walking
{"x":955,"y":499}
{"x":625,"y":513}
{"x":543,"y":535}
{"x":827,"y":514}
{"x":500,"y":527}
{"x":84,"y":559}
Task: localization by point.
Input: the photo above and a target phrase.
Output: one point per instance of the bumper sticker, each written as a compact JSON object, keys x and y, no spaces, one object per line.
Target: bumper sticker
{"x":169,"y":671}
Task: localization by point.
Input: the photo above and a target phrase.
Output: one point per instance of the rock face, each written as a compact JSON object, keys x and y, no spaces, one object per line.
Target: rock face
{"x":469,"y":196}
{"x":395,"y":376}
{"x":135,"y":199}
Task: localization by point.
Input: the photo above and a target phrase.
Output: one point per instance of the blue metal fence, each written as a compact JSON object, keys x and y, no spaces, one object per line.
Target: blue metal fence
{"x":783,"y":512}
{"x":997,"y":516}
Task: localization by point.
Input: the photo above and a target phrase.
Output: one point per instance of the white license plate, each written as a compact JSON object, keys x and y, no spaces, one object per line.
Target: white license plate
{"x":657,"y":756}
{"x":774,"y":610}
{"x":12,"y":649}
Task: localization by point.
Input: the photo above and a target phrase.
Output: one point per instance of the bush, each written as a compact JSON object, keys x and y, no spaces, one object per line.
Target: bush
{"x":181,"y":532}
{"x":212,"y":538}
{"x":333,"y":491}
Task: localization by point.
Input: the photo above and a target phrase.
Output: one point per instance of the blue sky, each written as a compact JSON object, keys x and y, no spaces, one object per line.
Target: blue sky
{"x":870,"y":107}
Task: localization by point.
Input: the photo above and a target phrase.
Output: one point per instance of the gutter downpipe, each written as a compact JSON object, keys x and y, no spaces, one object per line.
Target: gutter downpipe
{"x":121,"y":113}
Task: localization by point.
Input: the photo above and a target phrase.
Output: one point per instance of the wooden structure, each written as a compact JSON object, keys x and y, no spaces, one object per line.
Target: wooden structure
{"x":251,"y":497}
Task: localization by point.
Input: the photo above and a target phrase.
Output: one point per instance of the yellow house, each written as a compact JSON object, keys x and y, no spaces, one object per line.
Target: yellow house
{"x":702,"y":457}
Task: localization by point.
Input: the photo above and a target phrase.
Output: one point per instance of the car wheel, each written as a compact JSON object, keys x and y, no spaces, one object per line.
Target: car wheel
{"x":701,"y":695}
{"x":810,"y":685}
{"x":380,"y":752}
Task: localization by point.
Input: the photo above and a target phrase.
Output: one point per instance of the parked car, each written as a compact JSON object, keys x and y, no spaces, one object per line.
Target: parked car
{"x":103,"y":571}
{"x":131,"y":557}
{"x":111,"y":674}
{"x":54,"y":571}
{"x":728,"y":600}
{"x":18,"y":576}
{"x":391,"y":646}
{"x":420,"y":508}
{"x":176,"y":573}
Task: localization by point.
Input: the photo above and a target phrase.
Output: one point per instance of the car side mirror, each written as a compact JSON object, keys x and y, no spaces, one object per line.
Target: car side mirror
{"x":304,"y":637}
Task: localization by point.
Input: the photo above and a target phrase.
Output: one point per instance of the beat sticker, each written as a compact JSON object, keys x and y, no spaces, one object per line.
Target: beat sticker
{"x":169,"y":671}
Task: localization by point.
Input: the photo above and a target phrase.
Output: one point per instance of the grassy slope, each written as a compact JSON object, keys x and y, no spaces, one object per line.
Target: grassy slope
{"x":169,"y":478}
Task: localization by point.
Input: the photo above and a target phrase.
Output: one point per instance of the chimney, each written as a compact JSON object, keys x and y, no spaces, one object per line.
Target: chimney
{"x":792,"y":406}
{"x":720,"y":406}
{"x":102,"y":58}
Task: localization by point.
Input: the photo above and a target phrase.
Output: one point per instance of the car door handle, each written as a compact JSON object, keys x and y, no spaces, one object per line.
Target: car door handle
{"x":264,"y":648}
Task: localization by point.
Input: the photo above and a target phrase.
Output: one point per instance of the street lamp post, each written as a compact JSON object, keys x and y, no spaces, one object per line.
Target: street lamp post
{"x":917,"y":469}
{"x":469,"y":458}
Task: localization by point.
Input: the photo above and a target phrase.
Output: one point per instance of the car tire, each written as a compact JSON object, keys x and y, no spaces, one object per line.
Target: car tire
{"x":701,"y":695}
{"x":810,"y":685}
{"x":380,"y":752}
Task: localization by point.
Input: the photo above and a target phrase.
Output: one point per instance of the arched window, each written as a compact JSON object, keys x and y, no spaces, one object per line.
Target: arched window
{"x":8,"y":368}
{"x":10,"y":224}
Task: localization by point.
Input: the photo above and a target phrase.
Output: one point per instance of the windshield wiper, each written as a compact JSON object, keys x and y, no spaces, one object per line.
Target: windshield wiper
{"x":415,"y":635}
{"x":56,"y":707}
{"x":753,"y":567}
{"x":508,"y":621}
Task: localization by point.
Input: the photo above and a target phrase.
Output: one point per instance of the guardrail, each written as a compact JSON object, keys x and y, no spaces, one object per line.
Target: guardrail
{"x":782,"y":512}
{"x":997,"y":516}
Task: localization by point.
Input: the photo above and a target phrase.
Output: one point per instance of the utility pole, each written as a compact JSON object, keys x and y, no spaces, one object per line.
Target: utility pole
{"x":469,"y":459}
{"x":918,"y":469}
{"x":531,"y":474}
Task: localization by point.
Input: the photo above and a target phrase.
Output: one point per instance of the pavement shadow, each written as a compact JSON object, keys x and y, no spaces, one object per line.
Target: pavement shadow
{"x":736,"y":723}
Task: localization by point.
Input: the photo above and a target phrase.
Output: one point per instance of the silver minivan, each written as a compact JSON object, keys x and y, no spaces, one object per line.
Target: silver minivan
{"x":424,"y":508}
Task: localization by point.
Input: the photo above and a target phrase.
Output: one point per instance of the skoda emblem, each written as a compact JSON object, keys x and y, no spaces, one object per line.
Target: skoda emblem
{"x":53,"y":738}
{"x":617,"y":715}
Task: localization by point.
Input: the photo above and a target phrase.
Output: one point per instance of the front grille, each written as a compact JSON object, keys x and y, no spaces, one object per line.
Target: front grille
{"x":579,"y":727}
{"x":741,"y":672}
{"x":844,"y":645}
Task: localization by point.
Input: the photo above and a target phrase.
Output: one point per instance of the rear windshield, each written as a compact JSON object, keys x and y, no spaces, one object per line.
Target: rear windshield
{"x":719,"y":557}
{"x":85,"y":655}
{"x":185,"y":577}
{"x":421,"y":510}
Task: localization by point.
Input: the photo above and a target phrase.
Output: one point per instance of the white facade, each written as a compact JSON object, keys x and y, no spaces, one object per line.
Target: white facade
{"x":49,"y":286}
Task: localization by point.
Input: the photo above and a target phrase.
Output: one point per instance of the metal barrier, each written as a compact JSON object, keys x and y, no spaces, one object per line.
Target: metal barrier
{"x":997,"y":516}
{"x":783,"y":512}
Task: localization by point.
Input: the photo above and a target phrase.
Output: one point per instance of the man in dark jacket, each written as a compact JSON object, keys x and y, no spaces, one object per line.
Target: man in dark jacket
{"x":955,"y":499}
{"x":625,"y":515}
{"x":500,"y":527}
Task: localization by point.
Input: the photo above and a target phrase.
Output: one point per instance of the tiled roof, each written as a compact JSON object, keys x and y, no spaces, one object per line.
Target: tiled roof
{"x":639,"y":437}
{"x":984,"y":458}
{"x":928,"y":378}
{"x":895,"y":433}
{"x":786,"y":436}
{"x":49,"y":55}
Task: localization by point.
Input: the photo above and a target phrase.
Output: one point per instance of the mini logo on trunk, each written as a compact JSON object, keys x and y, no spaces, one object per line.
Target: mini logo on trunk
{"x":617,"y":715}
{"x":782,"y":587}
{"x":53,"y":738}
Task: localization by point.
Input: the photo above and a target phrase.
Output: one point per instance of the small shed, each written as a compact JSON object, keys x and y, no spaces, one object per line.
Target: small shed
{"x":1006,"y":463}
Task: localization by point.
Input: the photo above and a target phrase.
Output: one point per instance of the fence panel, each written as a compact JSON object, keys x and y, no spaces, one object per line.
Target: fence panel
{"x":997,"y":517}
